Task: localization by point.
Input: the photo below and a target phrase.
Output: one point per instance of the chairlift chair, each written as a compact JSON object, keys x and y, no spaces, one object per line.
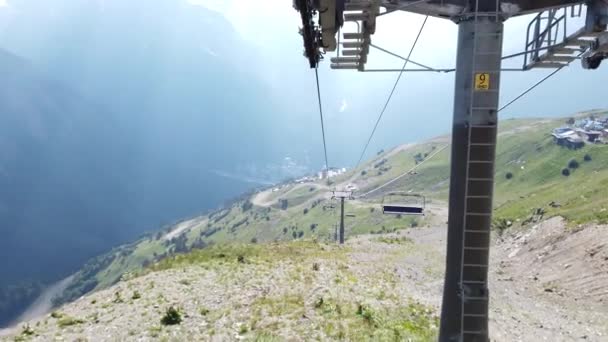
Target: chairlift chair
{"x":402,"y":203}
{"x":331,"y":205}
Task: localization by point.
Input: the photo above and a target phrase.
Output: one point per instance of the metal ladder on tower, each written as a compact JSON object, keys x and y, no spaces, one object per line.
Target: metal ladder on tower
{"x":482,"y":128}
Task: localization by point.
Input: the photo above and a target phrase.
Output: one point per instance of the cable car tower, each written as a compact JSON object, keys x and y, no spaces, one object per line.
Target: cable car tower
{"x":342,"y":195}
{"x":464,"y":312}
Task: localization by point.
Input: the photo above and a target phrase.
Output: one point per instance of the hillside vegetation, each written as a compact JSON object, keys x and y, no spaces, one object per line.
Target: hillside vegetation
{"x":537,"y":189}
{"x":377,"y":287}
{"x":265,"y":292}
{"x":267,"y":267}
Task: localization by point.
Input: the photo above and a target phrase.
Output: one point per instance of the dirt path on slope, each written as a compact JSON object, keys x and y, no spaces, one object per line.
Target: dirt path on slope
{"x":551,"y":283}
{"x":261,"y":199}
{"x":184,"y":227}
{"x":546,"y":284}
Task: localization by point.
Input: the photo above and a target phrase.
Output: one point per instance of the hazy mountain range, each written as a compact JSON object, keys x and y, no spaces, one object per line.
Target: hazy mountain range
{"x":117,"y":117}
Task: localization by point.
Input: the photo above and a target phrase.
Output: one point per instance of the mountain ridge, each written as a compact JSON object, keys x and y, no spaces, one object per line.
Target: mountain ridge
{"x":109,"y":127}
{"x":308,"y":213}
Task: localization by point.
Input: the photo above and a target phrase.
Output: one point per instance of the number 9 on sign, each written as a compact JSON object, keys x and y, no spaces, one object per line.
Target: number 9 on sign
{"x":482,"y":81}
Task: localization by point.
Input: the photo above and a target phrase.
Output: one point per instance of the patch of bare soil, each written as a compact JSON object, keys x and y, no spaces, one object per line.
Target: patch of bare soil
{"x":553,"y":283}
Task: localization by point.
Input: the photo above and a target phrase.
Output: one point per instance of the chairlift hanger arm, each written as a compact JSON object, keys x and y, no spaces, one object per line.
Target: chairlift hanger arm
{"x":435,"y":70}
{"x":308,"y":31}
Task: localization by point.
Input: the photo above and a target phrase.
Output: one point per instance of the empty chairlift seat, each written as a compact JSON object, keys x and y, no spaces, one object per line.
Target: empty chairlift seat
{"x":401,"y":203}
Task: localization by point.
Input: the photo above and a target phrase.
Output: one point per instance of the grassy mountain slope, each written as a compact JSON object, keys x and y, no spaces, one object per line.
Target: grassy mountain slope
{"x":298,"y":211}
{"x":377,"y":287}
{"x":265,"y":292}
{"x":54,"y":153}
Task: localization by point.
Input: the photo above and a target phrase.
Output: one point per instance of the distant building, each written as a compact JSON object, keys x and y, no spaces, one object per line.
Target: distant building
{"x":331,"y":172}
{"x":574,"y":142}
{"x":590,"y":135}
{"x":567,"y":137}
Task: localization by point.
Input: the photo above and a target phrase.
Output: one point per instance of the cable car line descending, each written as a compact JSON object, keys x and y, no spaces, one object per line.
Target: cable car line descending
{"x":445,"y":146}
{"x":321,"y":115}
{"x":392,"y":92}
{"x":401,"y":7}
{"x":404,"y":174}
{"x":531,"y":88}
{"x":426,"y":67}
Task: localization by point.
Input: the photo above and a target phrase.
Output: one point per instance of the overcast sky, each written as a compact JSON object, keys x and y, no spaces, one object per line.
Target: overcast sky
{"x":422,"y":105}
{"x":272,"y":26}
{"x":422,"y":100}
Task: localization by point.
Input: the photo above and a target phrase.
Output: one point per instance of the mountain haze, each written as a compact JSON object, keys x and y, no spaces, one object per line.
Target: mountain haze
{"x":119,"y":117}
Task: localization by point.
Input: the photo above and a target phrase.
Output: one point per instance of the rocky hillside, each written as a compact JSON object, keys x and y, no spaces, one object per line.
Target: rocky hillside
{"x":535,"y":189}
{"x":378,"y":287}
{"x":550,"y":243}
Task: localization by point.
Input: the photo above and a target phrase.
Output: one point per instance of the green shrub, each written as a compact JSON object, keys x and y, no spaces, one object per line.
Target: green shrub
{"x":136,"y":295}
{"x":319,"y":303}
{"x":566,"y":172}
{"x":501,"y":224}
{"x":284,"y":204}
{"x":587,"y":158}
{"x":367,"y":313}
{"x":305,"y":211}
{"x":573,"y":164}
{"x":246,"y":205}
{"x":27,"y":330}
{"x":172,"y":317}
{"x":118,"y":297}
{"x":509,"y":175}
{"x":67,"y":321}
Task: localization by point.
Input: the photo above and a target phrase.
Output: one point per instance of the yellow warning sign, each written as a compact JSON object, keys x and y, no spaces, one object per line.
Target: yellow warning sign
{"x":482,"y":81}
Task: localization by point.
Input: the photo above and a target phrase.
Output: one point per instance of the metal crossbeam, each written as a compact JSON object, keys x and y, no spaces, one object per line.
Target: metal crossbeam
{"x":458,"y":8}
